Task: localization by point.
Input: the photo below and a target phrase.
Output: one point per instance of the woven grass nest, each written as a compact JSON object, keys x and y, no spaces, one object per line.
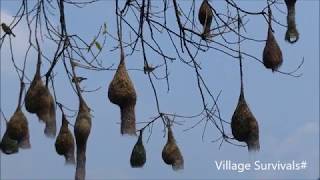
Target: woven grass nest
{"x":82,"y":125}
{"x":122,"y":93}
{"x":138,"y":154}
{"x":272,"y":55}
{"x":244,"y":125}
{"x":171,"y":154}
{"x":8,"y":145}
{"x":18,"y":130}
{"x":65,"y":143}
{"x":205,"y":16}
{"x":39,"y":100}
{"x":292,"y":34}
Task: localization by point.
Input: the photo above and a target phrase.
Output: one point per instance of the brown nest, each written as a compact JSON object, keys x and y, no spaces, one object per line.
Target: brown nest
{"x":272,"y":55}
{"x":65,"y":143}
{"x":171,"y":154}
{"x":8,"y":145}
{"x":138,"y":154}
{"x":18,"y":129}
{"x":39,"y":100}
{"x":292,"y":34}
{"x":205,"y":17}
{"x":244,"y":125}
{"x":82,"y":130}
{"x":122,"y":93}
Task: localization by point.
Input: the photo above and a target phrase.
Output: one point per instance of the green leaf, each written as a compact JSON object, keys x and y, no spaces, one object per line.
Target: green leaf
{"x":98,"y":45}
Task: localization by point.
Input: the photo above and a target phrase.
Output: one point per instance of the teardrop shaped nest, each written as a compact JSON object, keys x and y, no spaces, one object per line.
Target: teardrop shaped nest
{"x":39,"y":100}
{"x":138,"y":154}
{"x":18,"y":129}
{"x":82,"y":125}
{"x":272,"y":55}
{"x":205,"y":17}
{"x":171,"y":154}
{"x":8,"y":145}
{"x":122,"y":93}
{"x":244,"y":125}
{"x":65,"y":143}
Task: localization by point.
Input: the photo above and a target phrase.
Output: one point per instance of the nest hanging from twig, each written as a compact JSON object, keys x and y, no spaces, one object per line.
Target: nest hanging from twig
{"x":244,"y":125}
{"x":82,"y":130}
{"x":138,"y":154}
{"x":8,"y":145}
{"x":272,"y":55}
{"x":205,"y":17}
{"x":122,"y":93}
{"x":39,"y":100}
{"x":65,"y":143}
{"x":171,"y":154}
{"x":292,"y":34}
{"x":18,"y":129}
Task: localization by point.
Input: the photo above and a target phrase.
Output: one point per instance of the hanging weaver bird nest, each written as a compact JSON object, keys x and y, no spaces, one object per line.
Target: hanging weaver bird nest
{"x":82,"y":130}
{"x":205,"y":16}
{"x":65,"y":143}
{"x":171,"y":154}
{"x":138,"y":154}
{"x":122,"y":93}
{"x":292,"y":34}
{"x":83,"y":124}
{"x":244,"y":125}
{"x":272,"y":55}
{"x":39,"y":100}
{"x":8,"y":145}
{"x":18,"y":129}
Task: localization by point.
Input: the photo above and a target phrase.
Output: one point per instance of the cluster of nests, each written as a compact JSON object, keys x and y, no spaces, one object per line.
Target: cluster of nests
{"x":39,"y":101}
{"x":171,"y":154}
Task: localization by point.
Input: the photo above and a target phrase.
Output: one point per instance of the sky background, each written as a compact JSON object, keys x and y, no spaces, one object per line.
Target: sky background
{"x":287,"y":109}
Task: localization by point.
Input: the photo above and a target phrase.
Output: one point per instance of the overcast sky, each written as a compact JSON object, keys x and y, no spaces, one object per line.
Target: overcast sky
{"x":286,"y":108}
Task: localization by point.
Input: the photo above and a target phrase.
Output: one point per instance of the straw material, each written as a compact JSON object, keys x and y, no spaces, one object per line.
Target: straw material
{"x":65,"y":143}
{"x":205,"y":17}
{"x":122,"y":93}
{"x":171,"y":154}
{"x":272,"y":55}
{"x":244,"y":125}
{"x":138,"y":154}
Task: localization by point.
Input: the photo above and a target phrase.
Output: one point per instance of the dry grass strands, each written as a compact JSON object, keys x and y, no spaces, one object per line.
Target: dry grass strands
{"x":205,"y":16}
{"x":244,"y":125}
{"x":292,"y":34}
{"x":8,"y":145}
{"x":138,"y":154}
{"x":122,"y":93}
{"x":81,"y":131}
{"x":272,"y":55}
{"x":39,"y":100}
{"x":65,"y":143}
{"x":18,"y":129}
{"x":171,"y":154}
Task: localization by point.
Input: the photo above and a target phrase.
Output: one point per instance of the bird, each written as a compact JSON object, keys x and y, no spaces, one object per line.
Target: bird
{"x":148,"y":68}
{"x":7,"y":29}
{"x":205,"y":17}
{"x":78,"y":79}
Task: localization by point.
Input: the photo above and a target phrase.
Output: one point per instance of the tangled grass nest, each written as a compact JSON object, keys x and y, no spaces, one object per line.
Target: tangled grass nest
{"x":39,"y":100}
{"x":18,"y":129}
{"x":65,"y":143}
{"x":138,"y":154}
{"x":205,"y":17}
{"x":244,"y":125}
{"x":122,"y":93}
{"x":171,"y":154}
{"x":272,"y":55}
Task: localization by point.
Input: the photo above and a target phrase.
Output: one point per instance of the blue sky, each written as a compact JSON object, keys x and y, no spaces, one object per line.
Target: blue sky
{"x":286,"y":108}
